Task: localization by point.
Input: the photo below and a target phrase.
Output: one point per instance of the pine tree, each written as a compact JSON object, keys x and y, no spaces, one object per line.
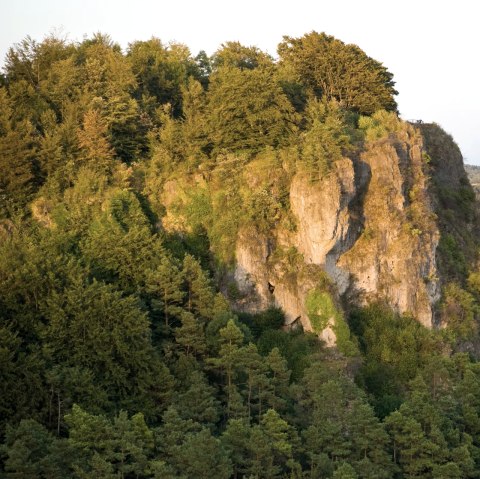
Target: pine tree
{"x":198,"y":402}
{"x":369,"y":443}
{"x":200,"y":294}
{"x":253,"y":366}
{"x":27,"y":448}
{"x":191,"y":335}
{"x":412,"y":450}
{"x":164,"y":284}
{"x":345,"y":471}
{"x":278,"y":392}
{"x":231,"y":339}
{"x":202,"y":456}
{"x":236,"y":441}
{"x":93,"y":326}
{"x":117,"y":448}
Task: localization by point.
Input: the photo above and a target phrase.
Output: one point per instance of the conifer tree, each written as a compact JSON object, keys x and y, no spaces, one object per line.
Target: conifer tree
{"x":198,"y":402}
{"x":190,"y":335}
{"x":17,"y":159}
{"x":164,"y":284}
{"x":200,"y":295}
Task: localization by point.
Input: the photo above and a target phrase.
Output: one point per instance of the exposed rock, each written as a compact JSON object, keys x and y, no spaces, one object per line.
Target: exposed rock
{"x":251,"y":272}
{"x":369,"y":224}
{"x":394,"y":258}
{"x":322,"y":212}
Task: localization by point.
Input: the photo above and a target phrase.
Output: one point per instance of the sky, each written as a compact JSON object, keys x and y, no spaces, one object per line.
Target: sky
{"x":430,"y":46}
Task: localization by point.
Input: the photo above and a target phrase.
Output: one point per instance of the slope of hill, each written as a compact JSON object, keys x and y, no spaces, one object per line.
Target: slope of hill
{"x":230,"y":267}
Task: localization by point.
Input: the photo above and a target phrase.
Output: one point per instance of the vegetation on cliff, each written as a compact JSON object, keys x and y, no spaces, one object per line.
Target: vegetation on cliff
{"x":125,"y":179}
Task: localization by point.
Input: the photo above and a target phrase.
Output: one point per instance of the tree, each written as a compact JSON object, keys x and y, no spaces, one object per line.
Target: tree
{"x":119,"y":243}
{"x":234,"y":54}
{"x":17,"y":159}
{"x":253,"y":366}
{"x":236,"y":441}
{"x":326,"y":138}
{"x":22,"y":390}
{"x":105,"y":72}
{"x":27,"y":447}
{"x":194,"y":127}
{"x":164,"y":284}
{"x":95,"y":151}
{"x":231,"y":339}
{"x":412,"y":450}
{"x":119,"y":448}
{"x":369,"y":443}
{"x":191,"y":335}
{"x":32,"y":61}
{"x":198,"y":402}
{"x":345,"y":471}
{"x":92,"y":326}
{"x":202,"y":456}
{"x":336,"y":71}
{"x":271,"y":445}
{"x":458,"y":311}
{"x":161,"y":71}
{"x":200,"y":298}
{"x":204,"y":67}
{"x":247,"y":110}
{"x":279,"y":381}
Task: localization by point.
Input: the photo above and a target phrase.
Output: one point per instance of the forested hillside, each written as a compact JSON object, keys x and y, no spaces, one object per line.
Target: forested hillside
{"x":133,"y":185}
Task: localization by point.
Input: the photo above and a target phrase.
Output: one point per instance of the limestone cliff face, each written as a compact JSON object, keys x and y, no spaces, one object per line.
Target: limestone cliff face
{"x":369,"y":230}
{"x":369,"y":225}
{"x":394,"y":259}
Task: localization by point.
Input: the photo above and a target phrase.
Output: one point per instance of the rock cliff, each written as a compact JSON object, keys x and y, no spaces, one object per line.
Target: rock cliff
{"x":369,"y":224}
{"x":368,"y":230}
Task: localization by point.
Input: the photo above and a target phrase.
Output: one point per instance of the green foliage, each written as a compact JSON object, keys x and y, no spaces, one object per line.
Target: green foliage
{"x":336,"y":71}
{"x":121,"y":446}
{"x":17,"y":159}
{"x":327,"y":137}
{"x":270,"y":319}
{"x":321,"y":309}
{"x":27,"y":449}
{"x":458,"y":311}
{"x":395,"y":348}
{"x":322,"y":313}
{"x":379,"y":125}
{"x":94,"y":327}
{"x":295,"y":346}
{"x":342,"y":425}
{"x":451,"y":256}
{"x":248,"y":110}
{"x":161,"y":72}
{"x":234,"y":54}
{"x":118,"y":356}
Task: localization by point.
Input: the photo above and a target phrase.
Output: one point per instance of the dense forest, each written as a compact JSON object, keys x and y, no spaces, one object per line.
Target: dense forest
{"x":120,"y":353}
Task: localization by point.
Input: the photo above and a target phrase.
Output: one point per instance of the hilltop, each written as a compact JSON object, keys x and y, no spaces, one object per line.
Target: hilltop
{"x":231,"y":266}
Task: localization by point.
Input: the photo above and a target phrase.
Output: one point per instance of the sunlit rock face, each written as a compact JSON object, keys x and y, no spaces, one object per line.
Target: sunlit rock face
{"x":369,"y":224}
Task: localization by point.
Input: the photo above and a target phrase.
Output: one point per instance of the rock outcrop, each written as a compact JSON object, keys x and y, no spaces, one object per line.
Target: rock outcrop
{"x":368,"y":230}
{"x":368,"y":224}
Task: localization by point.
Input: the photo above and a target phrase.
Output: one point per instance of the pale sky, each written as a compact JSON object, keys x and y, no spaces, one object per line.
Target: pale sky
{"x":430,"y":46}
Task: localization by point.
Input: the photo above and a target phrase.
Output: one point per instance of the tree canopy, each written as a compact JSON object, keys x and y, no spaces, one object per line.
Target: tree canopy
{"x":333,"y":70}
